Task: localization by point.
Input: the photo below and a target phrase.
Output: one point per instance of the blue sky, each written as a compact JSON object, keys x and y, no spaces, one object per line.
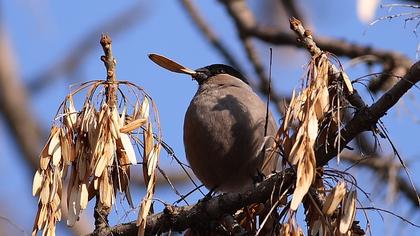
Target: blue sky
{"x":44,"y":32}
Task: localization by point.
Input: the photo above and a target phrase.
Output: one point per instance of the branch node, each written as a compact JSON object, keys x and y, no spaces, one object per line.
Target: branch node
{"x":308,"y":33}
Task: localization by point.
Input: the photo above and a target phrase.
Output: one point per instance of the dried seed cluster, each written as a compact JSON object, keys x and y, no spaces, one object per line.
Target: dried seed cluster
{"x":312,"y":116}
{"x":300,"y":127}
{"x":95,"y":145}
{"x":339,"y":209}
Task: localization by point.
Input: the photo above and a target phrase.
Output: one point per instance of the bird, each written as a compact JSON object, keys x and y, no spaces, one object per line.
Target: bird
{"x":225,"y":132}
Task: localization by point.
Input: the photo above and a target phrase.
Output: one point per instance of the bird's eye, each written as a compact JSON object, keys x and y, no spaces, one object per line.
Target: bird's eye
{"x":221,"y":71}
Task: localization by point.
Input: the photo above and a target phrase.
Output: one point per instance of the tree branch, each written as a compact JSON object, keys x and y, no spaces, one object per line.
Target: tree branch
{"x":382,"y":167}
{"x":181,"y":218}
{"x":394,"y":64}
{"x":16,"y":109}
{"x":366,"y":118}
{"x":259,"y":69}
{"x":19,"y":116}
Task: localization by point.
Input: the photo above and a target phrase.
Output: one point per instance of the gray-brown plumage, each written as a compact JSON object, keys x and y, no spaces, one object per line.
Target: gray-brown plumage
{"x":224,"y":130}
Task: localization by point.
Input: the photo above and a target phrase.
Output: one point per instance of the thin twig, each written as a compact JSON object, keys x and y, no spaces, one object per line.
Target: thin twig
{"x":101,"y":212}
{"x":249,"y":48}
{"x":382,"y":167}
{"x":391,"y":213}
{"x":393,"y":62}
{"x":365,"y":118}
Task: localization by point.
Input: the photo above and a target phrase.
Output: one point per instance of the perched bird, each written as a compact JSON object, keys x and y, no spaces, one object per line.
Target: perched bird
{"x":225,"y":128}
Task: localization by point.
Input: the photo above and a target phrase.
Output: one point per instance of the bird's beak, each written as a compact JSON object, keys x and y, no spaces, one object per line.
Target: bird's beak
{"x":171,"y":65}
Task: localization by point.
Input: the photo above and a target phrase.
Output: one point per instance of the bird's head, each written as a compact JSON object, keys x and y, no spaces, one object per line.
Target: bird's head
{"x":204,"y":73}
{"x":201,"y":75}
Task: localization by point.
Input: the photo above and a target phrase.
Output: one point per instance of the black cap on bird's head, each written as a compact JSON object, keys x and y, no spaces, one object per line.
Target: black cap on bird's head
{"x":202,"y":74}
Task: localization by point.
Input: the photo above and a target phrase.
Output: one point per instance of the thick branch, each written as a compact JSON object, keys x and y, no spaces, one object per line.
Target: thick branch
{"x":368,"y":117}
{"x":181,"y":218}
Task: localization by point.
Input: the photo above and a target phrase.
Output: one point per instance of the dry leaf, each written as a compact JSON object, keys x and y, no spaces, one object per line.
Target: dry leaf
{"x":297,"y":151}
{"x":55,"y":204}
{"x":86,"y":117}
{"x":133,"y":125}
{"x":109,"y":152}
{"x":54,"y":142}
{"x":147,"y":201}
{"x":83,"y":196}
{"x":153,"y":159}
{"x":144,"y":109}
{"x":334,"y":198}
{"x":348,"y":212}
{"x":45,"y":192}
{"x":305,"y":175}
{"x":100,"y":166}
{"x":322,"y":103}
{"x":56,"y":155}
{"x":147,"y":149}
{"x":285,"y":230}
{"x":45,"y":155}
{"x":106,"y":190}
{"x":128,"y":148}
{"x":54,"y":185}
{"x":115,"y":123}
{"x":96,"y":184}
{"x":71,"y":113}
{"x":82,"y":166}
{"x":312,"y":128}
{"x":37,"y":182}
{"x":347,"y":82}
{"x":65,"y":148}
{"x":102,"y":113}
{"x":42,"y":217}
{"x":144,"y":211}
{"x":73,"y":207}
{"x":44,"y":161}
{"x":136,"y":110}
{"x":93,"y":131}
{"x":72,"y":180}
